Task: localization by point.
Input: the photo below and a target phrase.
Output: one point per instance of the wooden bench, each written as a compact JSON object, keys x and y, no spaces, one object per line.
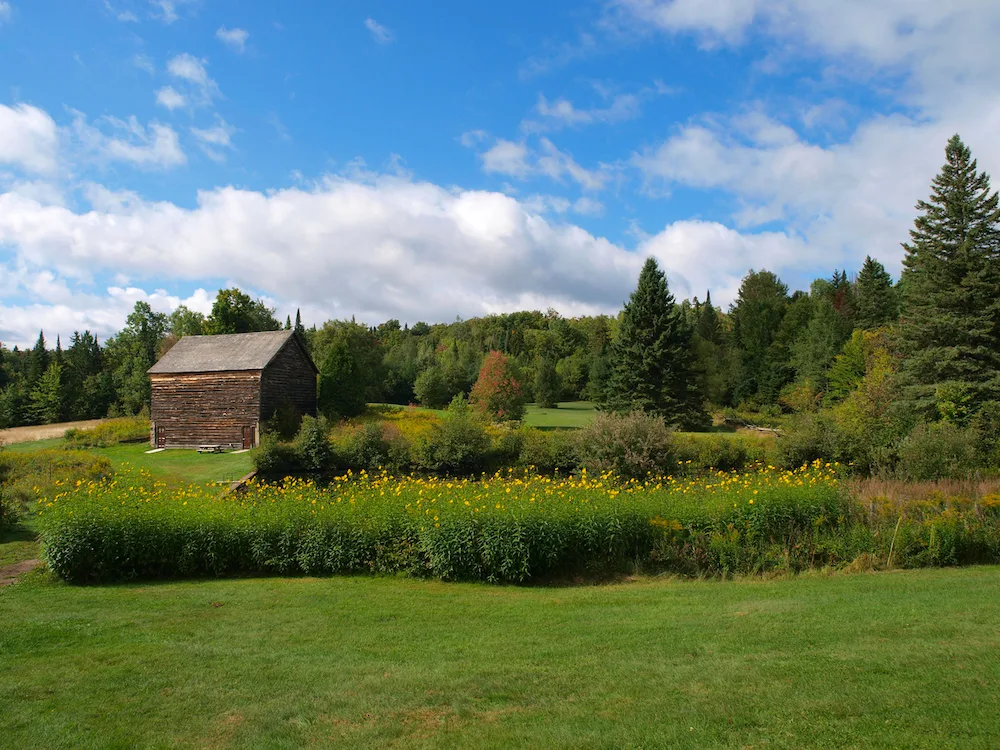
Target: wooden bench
{"x":210,"y":449}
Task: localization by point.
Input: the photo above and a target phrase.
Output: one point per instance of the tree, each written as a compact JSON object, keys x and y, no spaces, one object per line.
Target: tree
{"x":875,"y":301}
{"x":652,"y":362}
{"x":299,"y":328}
{"x":350,"y":369}
{"x":132,"y":352}
{"x":950,"y":318}
{"x":757,"y":316}
{"x":432,"y":388}
{"x":547,"y":384}
{"x":236,"y":312}
{"x":186,"y":322}
{"x":497,"y":393}
{"x":46,"y":397}
{"x":38,"y":360}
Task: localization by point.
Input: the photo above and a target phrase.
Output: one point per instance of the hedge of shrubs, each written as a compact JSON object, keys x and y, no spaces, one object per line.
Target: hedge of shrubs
{"x":461,"y":444}
{"x":110,"y":432}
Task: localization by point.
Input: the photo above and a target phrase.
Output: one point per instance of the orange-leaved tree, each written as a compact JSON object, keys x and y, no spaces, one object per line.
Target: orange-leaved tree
{"x":497,"y":393}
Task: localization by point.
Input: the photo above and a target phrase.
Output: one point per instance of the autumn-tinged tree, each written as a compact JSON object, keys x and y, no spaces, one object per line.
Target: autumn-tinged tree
{"x":497,"y":393}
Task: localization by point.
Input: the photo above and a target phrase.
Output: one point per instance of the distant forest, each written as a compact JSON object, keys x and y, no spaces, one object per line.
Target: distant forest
{"x":932,"y":339}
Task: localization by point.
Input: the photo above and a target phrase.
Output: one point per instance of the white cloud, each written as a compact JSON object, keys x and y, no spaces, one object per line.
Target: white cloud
{"x":192,"y":72}
{"x":156,"y":146}
{"x":5,"y":11}
{"x":235,"y":39}
{"x":214,"y":139}
{"x":618,"y":107}
{"x":170,"y":98}
{"x":29,"y":138}
{"x":379,"y":33}
{"x":517,"y":159}
{"x":166,"y":10}
{"x":557,"y":204}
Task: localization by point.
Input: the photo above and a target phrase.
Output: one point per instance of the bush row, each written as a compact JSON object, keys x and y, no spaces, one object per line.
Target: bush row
{"x":506,"y":528}
{"x":110,"y":432}
{"x":632,"y":446}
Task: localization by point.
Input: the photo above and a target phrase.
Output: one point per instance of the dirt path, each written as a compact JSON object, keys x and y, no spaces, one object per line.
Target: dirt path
{"x":42,"y":431}
{"x":10,"y":573}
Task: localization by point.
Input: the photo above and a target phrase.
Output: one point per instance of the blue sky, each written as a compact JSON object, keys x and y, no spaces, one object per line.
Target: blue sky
{"x":427,"y":161}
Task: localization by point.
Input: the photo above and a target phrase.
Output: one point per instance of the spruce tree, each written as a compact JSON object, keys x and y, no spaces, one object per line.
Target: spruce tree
{"x":950,"y":318}
{"x":757,"y":316}
{"x":299,"y":328}
{"x":875,"y":302}
{"x":38,"y":360}
{"x":652,"y":359}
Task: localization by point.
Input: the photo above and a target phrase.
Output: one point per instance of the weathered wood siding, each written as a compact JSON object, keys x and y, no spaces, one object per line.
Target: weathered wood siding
{"x":205,"y":408}
{"x":289,"y":378}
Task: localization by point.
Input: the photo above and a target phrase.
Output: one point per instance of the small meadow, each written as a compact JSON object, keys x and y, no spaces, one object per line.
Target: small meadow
{"x":509,"y":527}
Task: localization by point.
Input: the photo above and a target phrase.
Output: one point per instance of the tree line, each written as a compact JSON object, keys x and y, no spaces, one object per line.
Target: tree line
{"x":858,"y":349}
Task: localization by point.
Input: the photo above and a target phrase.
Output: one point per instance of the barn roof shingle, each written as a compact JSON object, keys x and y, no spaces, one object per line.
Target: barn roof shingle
{"x":223,"y":353}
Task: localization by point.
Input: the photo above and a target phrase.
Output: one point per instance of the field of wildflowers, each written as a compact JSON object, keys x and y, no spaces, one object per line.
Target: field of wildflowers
{"x":510,"y":527}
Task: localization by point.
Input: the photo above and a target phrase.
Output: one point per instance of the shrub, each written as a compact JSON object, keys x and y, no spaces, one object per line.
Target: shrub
{"x":632,"y":446}
{"x":110,"y":432}
{"x":274,"y":457}
{"x":986,"y":425}
{"x":808,"y":437}
{"x":459,"y":445}
{"x":373,"y":446}
{"x":549,"y":451}
{"x":940,"y":450}
{"x":724,"y":451}
{"x":498,"y":394}
{"x":312,"y":445}
{"x":432,"y":387}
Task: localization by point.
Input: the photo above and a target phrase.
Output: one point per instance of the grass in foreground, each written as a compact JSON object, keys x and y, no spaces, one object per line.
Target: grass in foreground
{"x":888,"y":660}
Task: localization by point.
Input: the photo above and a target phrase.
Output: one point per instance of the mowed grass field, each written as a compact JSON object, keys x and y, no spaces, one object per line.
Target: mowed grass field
{"x":891,"y":660}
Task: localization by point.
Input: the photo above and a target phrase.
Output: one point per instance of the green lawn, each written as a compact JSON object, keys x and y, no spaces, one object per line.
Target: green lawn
{"x":180,"y":467}
{"x":570,"y":414}
{"x":889,"y":660}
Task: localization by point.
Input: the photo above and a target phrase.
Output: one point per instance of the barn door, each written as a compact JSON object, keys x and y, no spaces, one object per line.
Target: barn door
{"x":248,"y":431}
{"x":161,"y":437}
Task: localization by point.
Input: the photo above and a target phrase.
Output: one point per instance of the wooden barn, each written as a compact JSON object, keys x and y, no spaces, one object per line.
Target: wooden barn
{"x":216,"y":390}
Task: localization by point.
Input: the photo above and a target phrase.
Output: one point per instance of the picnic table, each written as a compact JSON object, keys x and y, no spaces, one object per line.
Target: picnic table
{"x":210,"y":449}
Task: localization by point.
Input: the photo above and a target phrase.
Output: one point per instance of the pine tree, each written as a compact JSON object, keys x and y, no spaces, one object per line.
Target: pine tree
{"x":757,"y":316}
{"x":652,"y":360}
{"x":288,"y":322}
{"x":875,"y":301}
{"x":299,"y":328}
{"x":46,"y":397}
{"x":950,"y":317}
{"x":38,"y":360}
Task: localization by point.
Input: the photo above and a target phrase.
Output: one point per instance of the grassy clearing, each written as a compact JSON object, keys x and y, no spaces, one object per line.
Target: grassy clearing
{"x":889,"y":660}
{"x":569,"y":415}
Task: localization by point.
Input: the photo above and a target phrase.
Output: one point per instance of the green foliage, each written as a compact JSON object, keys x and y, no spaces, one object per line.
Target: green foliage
{"x":186,"y":322}
{"x":235,"y":311}
{"x":632,"y":446}
{"x":986,"y":426}
{"x":110,"y":432}
{"x":950,"y":323}
{"x":131,"y":353}
{"x":652,"y":362}
{"x":697,"y":453}
{"x":432,"y":388}
{"x":284,"y":423}
{"x":374,"y":447}
{"x":548,"y":451}
{"x":937,"y":451}
{"x":497,"y":393}
{"x":349,"y":372}
{"x":312,"y":445}
{"x":875,"y":298}
{"x":547,"y":383}
{"x":274,"y":457}
{"x":458,"y":445}
{"x":757,"y":316}
{"x":46,"y":398}
{"x":26,"y":477}
{"x":808,"y":437}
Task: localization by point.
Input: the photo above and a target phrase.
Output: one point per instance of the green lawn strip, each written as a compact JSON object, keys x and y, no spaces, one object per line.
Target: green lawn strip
{"x":569,"y":415}
{"x":19,"y":543}
{"x":181,"y":467}
{"x":36,"y":445}
{"x":890,"y":660}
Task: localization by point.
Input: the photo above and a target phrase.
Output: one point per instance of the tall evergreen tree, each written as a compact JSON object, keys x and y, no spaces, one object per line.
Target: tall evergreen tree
{"x":652,"y":360}
{"x":875,"y":301}
{"x":38,"y":360}
{"x":757,"y":316}
{"x":299,"y":328}
{"x":950,"y":323}
{"x":46,"y":397}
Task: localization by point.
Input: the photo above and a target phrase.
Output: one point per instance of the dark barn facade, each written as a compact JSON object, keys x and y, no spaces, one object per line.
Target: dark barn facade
{"x":216,"y":390}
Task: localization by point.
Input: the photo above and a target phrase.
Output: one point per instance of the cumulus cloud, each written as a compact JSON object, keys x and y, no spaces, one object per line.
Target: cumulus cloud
{"x":192,"y":73}
{"x":516,"y":159}
{"x":376,"y":248}
{"x":170,"y":98}
{"x":379,"y":33}
{"x":29,"y":138}
{"x":214,"y":140}
{"x":235,"y":39}
{"x":113,"y":140}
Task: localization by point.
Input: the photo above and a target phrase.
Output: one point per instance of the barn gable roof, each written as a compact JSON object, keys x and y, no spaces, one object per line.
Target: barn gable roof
{"x":226,"y":352}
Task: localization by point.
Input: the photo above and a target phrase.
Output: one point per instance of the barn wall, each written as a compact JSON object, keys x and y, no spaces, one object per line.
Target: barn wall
{"x":289,"y":378}
{"x":205,"y":408}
